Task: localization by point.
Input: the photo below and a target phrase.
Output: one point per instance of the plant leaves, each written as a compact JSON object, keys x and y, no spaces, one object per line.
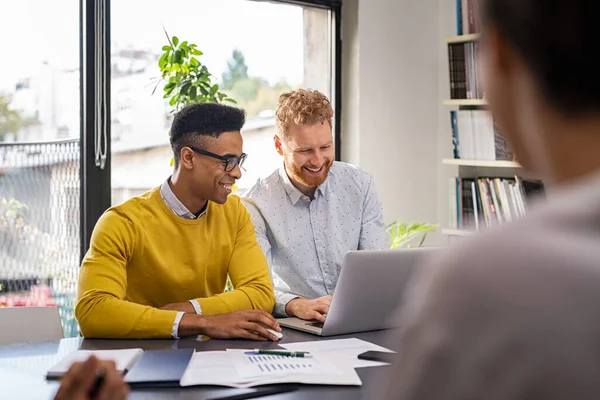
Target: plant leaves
{"x":177,"y":57}
{"x":187,"y":79}
{"x":185,"y":87}
{"x":163,"y":61}
{"x":402,"y":233}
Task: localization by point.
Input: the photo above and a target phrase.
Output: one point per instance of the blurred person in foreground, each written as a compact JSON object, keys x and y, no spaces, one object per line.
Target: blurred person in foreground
{"x":512,"y":313}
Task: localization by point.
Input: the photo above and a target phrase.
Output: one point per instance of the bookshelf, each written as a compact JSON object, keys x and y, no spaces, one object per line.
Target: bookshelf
{"x":457,"y":232}
{"x":465,"y":102}
{"x":462,"y":38}
{"x":481,"y":163}
{"x":485,"y":186}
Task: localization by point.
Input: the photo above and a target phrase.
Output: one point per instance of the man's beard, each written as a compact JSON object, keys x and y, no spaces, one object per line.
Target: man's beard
{"x":301,"y":176}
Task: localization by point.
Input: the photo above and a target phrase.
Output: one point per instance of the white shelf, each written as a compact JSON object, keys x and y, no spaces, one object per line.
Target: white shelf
{"x":480,"y":163}
{"x":465,"y":102}
{"x":462,"y":38}
{"x":457,"y":232}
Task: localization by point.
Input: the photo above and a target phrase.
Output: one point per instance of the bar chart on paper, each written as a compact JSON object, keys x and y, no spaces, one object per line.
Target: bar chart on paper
{"x":250,"y":364}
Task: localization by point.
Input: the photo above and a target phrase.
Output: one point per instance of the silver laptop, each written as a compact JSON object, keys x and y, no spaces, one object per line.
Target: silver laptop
{"x":368,"y":292}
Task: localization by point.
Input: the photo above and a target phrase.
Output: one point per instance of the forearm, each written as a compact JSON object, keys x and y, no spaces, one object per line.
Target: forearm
{"x":247,"y":297}
{"x":106,"y":317}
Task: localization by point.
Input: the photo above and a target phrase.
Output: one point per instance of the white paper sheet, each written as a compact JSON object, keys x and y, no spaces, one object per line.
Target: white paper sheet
{"x":348,"y":348}
{"x":219,"y":368}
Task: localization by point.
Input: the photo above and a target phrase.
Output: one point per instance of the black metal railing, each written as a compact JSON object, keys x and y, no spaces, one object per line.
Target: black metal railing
{"x":39,"y":226}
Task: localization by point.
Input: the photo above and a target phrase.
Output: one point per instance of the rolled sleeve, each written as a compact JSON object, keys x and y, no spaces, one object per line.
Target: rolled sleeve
{"x":282,"y":299}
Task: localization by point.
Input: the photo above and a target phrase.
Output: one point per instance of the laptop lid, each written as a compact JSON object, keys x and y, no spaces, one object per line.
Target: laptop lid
{"x":370,"y":289}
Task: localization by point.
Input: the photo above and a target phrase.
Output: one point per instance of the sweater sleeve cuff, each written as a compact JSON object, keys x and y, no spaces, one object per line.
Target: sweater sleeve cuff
{"x":175,"y":331}
{"x":196,"y":306}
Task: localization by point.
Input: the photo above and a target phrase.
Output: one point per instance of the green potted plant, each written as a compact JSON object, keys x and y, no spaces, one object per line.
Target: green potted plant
{"x":186,"y":79}
{"x":404,"y":234}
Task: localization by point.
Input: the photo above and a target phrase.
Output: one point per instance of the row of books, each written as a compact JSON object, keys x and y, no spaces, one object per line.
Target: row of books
{"x":466,"y":22}
{"x":477,"y":203}
{"x":465,"y":82}
{"x":475,"y":136}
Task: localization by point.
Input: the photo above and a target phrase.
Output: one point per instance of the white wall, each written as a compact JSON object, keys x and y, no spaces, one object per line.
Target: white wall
{"x":393,"y":87}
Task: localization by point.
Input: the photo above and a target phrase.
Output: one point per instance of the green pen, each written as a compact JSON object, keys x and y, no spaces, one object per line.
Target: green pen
{"x":302,"y":354}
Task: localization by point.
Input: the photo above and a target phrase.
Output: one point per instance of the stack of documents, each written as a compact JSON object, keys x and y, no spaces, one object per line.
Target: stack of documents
{"x":243,"y":368}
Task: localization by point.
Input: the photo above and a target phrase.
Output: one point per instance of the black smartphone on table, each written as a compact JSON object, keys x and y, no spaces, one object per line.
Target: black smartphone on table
{"x":380,"y":356}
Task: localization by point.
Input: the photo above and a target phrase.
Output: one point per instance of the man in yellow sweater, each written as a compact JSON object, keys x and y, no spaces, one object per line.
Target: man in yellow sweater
{"x":158,"y":263}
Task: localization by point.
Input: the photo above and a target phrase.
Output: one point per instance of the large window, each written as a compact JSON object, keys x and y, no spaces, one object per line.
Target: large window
{"x":39,"y":155}
{"x":55,"y":102}
{"x":254,"y":50}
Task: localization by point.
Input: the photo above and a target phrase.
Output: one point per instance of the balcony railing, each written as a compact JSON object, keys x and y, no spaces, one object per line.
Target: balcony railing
{"x":39,"y":226}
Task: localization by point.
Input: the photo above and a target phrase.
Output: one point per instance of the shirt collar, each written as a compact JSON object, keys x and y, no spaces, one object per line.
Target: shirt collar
{"x":175,"y":204}
{"x":294,"y":193}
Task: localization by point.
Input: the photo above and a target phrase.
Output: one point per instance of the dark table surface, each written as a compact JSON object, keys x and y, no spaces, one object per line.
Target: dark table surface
{"x":23,"y":367}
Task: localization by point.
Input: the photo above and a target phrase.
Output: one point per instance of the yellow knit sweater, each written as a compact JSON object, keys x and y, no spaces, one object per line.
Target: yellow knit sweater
{"x":142,"y":256}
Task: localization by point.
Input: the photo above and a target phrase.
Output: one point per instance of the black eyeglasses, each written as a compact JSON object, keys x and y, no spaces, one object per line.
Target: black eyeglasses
{"x":229,"y":161}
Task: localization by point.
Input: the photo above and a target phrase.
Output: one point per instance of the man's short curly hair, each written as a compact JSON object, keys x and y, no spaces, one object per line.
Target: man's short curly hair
{"x":302,"y":107}
{"x":200,"y":120}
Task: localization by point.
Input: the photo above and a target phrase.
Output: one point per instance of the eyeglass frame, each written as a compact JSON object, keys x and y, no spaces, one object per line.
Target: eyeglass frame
{"x":225,"y":159}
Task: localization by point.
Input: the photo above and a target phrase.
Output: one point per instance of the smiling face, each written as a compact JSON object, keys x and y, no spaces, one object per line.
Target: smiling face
{"x":208,"y":178}
{"x":308,"y":154}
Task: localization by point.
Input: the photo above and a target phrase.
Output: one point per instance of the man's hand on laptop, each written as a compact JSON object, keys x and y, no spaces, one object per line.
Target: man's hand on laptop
{"x":306,"y":309}
{"x":245,"y":324}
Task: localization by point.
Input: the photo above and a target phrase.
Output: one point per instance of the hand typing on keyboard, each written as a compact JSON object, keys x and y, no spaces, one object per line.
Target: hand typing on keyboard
{"x":307,"y":309}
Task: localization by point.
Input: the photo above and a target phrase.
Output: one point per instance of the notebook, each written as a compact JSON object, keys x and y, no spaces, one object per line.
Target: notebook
{"x":124,"y":359}
{"x":159,"y":368}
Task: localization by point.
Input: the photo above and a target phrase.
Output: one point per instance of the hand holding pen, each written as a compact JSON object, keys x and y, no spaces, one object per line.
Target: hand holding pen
{"x":94,"y":380}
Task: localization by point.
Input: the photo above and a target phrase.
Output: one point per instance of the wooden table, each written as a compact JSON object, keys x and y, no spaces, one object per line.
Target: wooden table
{"x":23,"y":367}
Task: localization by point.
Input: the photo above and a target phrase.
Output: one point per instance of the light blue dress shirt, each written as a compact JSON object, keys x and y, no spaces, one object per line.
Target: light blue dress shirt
{"x":180,"y":210}
{"x":306,"y":240}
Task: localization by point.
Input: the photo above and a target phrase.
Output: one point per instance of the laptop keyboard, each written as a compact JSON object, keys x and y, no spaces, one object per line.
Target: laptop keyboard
{"x":315,"y":324}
